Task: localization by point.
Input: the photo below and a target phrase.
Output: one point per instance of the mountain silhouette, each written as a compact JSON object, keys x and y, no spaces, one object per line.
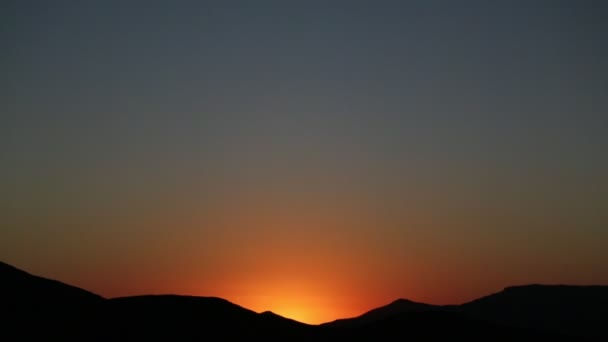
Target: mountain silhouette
{"x":566,"y":310}
{"x":38,"y":308}
{"x":33,"y":305}
{"x":192,"y":318}
{"x":441,"y":325}
{"x":572,"y":310}
{"x":399,"y":306}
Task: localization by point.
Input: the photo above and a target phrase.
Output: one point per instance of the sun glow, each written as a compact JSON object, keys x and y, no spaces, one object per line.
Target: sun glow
{"x":302,"y":309}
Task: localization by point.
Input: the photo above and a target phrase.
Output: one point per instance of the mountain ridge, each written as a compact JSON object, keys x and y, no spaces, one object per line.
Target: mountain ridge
{"x":516,"y":313}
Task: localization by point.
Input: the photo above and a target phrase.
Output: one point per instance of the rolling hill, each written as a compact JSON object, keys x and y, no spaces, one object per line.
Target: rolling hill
{"x":38,"y":308}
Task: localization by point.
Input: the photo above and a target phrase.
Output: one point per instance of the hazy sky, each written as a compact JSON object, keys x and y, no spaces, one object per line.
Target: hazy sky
{"x":312,"y":158}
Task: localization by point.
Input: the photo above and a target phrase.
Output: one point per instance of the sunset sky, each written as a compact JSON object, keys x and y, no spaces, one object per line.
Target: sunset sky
{"x":313,"y":158}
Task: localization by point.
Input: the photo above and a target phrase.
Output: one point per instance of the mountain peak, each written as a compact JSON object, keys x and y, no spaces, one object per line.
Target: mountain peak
{"x":533,"y":310}
{"x":402,"y":301}
{"x":396,"y":307}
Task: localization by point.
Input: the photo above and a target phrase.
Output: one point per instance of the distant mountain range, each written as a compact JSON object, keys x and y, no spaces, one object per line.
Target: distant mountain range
{"x":36,"y":308}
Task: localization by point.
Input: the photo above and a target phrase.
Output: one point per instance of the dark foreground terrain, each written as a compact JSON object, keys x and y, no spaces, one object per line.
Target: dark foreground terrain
{"x":36,"y":308}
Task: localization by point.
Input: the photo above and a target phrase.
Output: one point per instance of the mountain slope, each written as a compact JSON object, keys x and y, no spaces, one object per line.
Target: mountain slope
{"x":573,"y":310}
{"x":163,"y":317}
{"x":18,"y":286}
{"x":440,"y":325}
{"x":36,"y":308}
{"x":46,"y":305}
{"x":397,"y":307}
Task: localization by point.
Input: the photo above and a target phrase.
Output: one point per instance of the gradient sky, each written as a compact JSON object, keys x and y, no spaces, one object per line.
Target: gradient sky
{"x":314,"y":158}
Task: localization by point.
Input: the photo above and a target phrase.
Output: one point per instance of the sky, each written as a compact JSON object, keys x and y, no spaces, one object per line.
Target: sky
{"x":313,"y":158}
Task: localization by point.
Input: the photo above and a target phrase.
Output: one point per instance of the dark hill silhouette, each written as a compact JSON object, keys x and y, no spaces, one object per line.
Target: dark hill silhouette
{"x":573,"y":310}
{"x":18,"y":286}
{"x":35,"y":308}
{"x":440,"y":325}
{"x":46,"y":305}
{"x":163,"y":317}
{"x":398,"y":306}
{"x":272,"y":318}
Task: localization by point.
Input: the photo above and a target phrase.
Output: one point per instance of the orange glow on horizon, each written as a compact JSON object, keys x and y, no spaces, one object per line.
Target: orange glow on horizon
{"x":305,"y":310}
{"x":310,"y":260}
